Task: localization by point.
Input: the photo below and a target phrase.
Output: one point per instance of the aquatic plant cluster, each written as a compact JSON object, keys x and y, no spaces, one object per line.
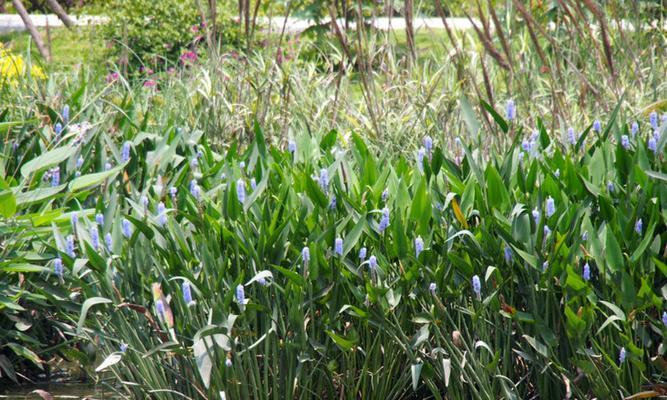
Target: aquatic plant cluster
{"x":322,"y":269}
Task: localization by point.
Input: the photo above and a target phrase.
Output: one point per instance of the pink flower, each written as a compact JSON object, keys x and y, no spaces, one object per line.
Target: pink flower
{"x":171,"y":70}
{"x":150,"y":83}
{"x":194,"y":28}
{"x":189,"y":57}
{"x":113,"y":77}
{"x":279,"y":56}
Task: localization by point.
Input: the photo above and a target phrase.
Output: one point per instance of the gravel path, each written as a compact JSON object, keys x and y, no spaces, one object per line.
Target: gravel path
{"x":12,"y":22}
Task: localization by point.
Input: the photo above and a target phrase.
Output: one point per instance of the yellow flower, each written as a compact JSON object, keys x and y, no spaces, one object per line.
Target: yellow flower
{"x":13,"y":67}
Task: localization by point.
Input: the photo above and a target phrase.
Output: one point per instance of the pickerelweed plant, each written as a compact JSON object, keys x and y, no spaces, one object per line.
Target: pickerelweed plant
{"x":468,"y":276}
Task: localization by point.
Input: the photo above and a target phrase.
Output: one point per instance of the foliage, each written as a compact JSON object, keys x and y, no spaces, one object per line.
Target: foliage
{"x":13,"y":68}
{"x":331,"y":323}
{"x":522,"y":260}
{"x":152,"y":32}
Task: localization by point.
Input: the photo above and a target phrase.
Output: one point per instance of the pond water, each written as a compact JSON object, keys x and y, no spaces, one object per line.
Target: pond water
{"x":57,"y":390}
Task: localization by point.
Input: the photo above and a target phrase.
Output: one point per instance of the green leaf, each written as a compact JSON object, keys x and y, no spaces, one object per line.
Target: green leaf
{"x":643,"y":245}
{"x":496,"y":192}
{"x":47,"y":160}
{"x":613,"y":254}
{"x":260,"y":142}
{"x":592,"y":189}
{"x":7,"y":203}
{"x":574,"y":281}
{"x":400,"y":240}
{"x":23,"y":267}
{"x":540,"y":347}
{"x":499,"y":120}
{"x":314,"y":192}
{"x":93,"y":301}
{"x":420,"y":210}
{"x":353,"y":236}
{"x":4,"y":126}
{"x":91,"y":180}
{"x":291,"y":275}
{"x":26,"y":353}
{"x":628,"y":290}
{"x":469,"y":117}
{"x":259,"y":189}
{"x":328,"y":141}
{"x":37,"y":195}
{"x":529,"y":258}
{"x":615,"y":309}
{"x":342,"y":342}
{"x":202,"y":350}
{"x":657,"y":175}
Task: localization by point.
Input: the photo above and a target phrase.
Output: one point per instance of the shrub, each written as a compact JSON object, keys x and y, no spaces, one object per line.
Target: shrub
{"x":153,"y":32}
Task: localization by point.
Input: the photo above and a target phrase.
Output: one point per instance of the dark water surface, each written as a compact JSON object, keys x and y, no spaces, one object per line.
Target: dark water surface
{"x":57,"y":390}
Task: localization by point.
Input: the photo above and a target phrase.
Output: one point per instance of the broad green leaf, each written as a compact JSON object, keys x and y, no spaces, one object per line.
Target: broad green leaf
{"x":26,"y":353}
{"x":497,"y":195}
{"x":643,"y":245}
{"x":202,"y":350}
{"x":499,"y":120}
{"x":540,"y":347}
{"x":47,"y":160}
{"x":91,"y":180}
{"x":342,"y":342}
{"x":93,"y":301}
{"x":613,"y":253}
{"x":314,"y":192}
{"x":529,"y":258}
{"x":23,"y":267}
{"x":37,"y":195}
{"x":291,"y":275}
{"x":7,"y":203}
{"x":469,"y":117}
{"x":420,"y":209}
{"x":657,"y":175}
{"x":259,"y":141}
{"x":353,"y":236}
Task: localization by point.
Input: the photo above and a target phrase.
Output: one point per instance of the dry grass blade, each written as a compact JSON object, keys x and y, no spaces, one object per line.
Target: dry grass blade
{"x":569,"y":14}
{"x":409,"y":30}
{"x":603,"y":33}
{"x":530,"y":22}
{"x":483,"y":20}
{"x":488,"y":45}
{"x":443,"y":17}
{"x":487,"y":81}
{"x":649,"y":394}
{"x":501,"y":34}
{"x":339,"y":34}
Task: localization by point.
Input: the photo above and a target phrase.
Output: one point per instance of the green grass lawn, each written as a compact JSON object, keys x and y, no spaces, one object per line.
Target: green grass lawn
{"x":69,"y":48}
{"x":85,"y":45}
